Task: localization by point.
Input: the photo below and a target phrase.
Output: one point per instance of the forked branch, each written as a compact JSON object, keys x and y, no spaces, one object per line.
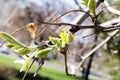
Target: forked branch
{"x":97,"y":47}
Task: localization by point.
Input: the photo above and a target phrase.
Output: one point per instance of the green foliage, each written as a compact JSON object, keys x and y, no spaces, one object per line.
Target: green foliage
{"x":43,"y":52}
{"x":11,"y":39}
{"x":84,"y":2}
{"x":114,"y":44}
{"x":92,"y":6}
{"x":25,"y":65}
{"x":113,"y":65}
{"x":66,"y":37}
{"x":21,"y":49}
{"x":115,"y":74}
{"x":63,"y":36}
{"x":55,"y":41}
{"x":70,"y":37}
{"x":15,"y":45}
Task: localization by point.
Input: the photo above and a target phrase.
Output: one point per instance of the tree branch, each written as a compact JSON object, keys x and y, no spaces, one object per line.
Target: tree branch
{"x":97,"y":47}
{"x":81,"y":18}
{"x":76,"y":2}
{"x":114,"y":27}
{"x":76,"y":28}
{"x":60,"y":17}
{"x":112,"y":10}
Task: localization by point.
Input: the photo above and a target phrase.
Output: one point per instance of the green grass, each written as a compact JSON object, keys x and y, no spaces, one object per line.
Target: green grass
{"x":113,"y":65}
{"x":45,"y":72}
{"x":115,"y":74}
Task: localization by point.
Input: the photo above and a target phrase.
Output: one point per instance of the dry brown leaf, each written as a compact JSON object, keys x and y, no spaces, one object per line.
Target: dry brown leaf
{"x":32,"y":29}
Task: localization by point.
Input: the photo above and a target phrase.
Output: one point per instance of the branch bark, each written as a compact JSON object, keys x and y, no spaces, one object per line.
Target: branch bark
{"x":97,"y":47}
{"x":82,"y":17}
{"x":112,"y":10}
{"x":76,"y":28}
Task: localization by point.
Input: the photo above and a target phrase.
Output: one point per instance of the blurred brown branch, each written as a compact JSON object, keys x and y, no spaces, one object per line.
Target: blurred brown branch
{"x":76,"y":28}
{"x":97,"y":47}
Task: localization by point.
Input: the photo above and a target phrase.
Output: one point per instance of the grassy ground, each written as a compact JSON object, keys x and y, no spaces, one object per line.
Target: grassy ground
{"x":114,"y":65}
{"x":45,"y":73}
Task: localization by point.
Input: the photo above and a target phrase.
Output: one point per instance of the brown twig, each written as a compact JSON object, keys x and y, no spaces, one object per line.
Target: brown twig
{"x":64,"y":52}
{"x":111,"y":28}
{"x":75,"y":28}
{"x":98,"y":27}
{"x":28,"y":69}
{"x":97,"y":47}
{"x":39,"y":66}
{"x":72,"y":25}
{"x":59,"y":18}
{"x":76,"y":2}
{"x":88,"y":35}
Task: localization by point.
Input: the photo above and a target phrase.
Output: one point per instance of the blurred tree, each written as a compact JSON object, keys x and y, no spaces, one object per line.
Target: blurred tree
{"x":37,"y":12}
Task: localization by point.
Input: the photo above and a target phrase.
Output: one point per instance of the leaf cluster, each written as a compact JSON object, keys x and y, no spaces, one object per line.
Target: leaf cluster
{"x":19,"y":48}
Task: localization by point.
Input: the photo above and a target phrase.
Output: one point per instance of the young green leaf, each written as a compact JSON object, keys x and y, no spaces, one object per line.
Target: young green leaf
{"x":10,"y":45}
{"x":24,"y":50}
{"x":11,"y":39}
{"x":84,"y":2}
{"x":55,"y":41}
{"x":43,"y":52}
{"x":15,"y":45}
{"x":25,"y":65}
{"x":92,"y":6}
{"x":63,"y":36}
{"x":70,"y":37}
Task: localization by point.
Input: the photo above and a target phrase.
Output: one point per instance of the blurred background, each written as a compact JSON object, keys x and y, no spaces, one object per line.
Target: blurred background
{"x":18,"y":13}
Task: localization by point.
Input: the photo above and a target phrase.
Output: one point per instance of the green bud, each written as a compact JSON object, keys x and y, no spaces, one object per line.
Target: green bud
{"x":92,"y":6}
{"x":55,"y":41}
{"x":43,"y":52}
{"x":25,"y":65}
{"x":70,"y":37}
{"x":63,"y":36}
{"x":84,"y":2}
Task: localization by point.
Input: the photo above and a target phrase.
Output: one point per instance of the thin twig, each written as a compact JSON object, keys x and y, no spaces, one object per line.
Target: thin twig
{"x":11,"y":15}
{"x":59,"y":18}
{"x":53,"y":33}
{"x":97,"y":47}
{"x":88,"y":35}
{"x":28,"y":69}
{"x":64,"y":52}
{"x":39,"y":66}
{"x":2,"y":43}
{"x":76,"y":2}
{"x":66,"y":67}
{"x":99,"y":27}
{"x":72,"y":25}
{"x":110,"y":5}
{"x":21,"y":28}
{"x":82,"y":17}
{"x":113,"y":27}
{"x":49,"y":19}
{"x":112,"y":10}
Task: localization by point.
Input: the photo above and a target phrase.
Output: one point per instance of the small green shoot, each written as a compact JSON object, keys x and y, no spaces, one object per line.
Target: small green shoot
{"x":25,"y":65}
{"x":43,"y":52}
